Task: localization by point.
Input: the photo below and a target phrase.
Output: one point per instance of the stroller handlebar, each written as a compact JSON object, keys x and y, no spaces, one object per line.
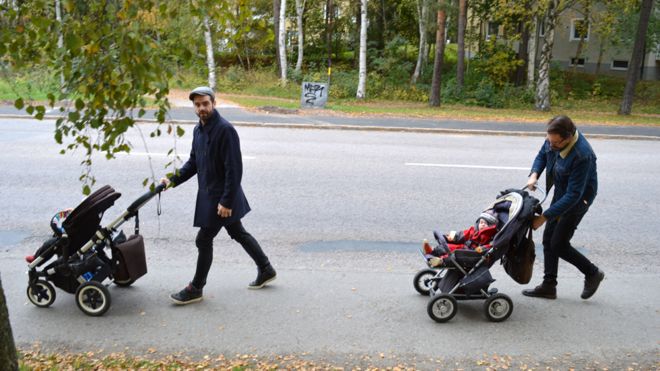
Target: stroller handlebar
{"x":137,"y":204}
{"x":539,"y":190}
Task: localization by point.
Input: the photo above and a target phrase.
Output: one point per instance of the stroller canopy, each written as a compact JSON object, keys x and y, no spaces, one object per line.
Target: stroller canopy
{"x":83,"y":221}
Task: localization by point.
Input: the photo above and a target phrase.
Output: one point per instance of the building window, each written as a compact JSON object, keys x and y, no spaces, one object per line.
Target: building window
{"x":579,"y":62}
{"x":619,"y":65}
{"x":541,"y":28}
{"x":579,"y":29}
{"x":492,"y":30}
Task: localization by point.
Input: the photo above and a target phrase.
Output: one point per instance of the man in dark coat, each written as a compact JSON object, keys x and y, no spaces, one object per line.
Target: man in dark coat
{"x":216,"y":159}
{"x":570,"y":165}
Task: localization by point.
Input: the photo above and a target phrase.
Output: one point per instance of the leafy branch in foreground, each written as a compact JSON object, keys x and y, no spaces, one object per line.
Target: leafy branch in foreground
{"x":110,"y":62}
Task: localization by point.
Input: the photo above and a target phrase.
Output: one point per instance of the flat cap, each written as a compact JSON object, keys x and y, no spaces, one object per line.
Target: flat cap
{"x":202,"y":90}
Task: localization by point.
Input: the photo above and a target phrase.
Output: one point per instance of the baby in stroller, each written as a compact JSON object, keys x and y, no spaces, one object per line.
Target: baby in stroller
{"x":477,"y":238}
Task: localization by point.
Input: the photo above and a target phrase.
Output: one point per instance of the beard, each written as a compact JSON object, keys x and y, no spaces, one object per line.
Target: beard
{"x":204,"y":115}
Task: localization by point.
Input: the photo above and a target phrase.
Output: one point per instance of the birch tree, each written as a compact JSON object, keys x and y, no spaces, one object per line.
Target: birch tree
{"x":210,"y":59}
{"x":553,"y":8}
{"x":282,"y":42}
{"x":362,"y":81}
{"x":460,"y":62}
{"x":531,"y":53}
{"x":436,"y":84}
{"x":300,"y":9}
{"x":422,"y":12}
{"x":60,"y":36}
{"x":636,"y":59}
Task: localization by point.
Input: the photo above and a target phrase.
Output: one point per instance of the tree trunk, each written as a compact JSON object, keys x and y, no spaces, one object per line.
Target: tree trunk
{"x":436,"y":85}
{"x":276,"y":31}
{"x":580,"y":45}
{"x":543,"y":85}
{"x":382,"y":25}
{"x":281,"y":43}
{"x":357,"y":6}
{"x":300,"y":8}
{"x":329,"y":9}
{"x":362,"y":81}
{"x":7,"y":348}
{"x":460,"y":62}
{"x":210,"y":59}
{"x":523,"y":54}
{"x":601,"y":51}
{"x":637,"y":58}
{"x":422,"y":11}
{"x":60,"y":37}
{"x":531,"y":58}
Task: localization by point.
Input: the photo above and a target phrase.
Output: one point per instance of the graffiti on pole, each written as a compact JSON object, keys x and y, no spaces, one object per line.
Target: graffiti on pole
{"x":314,"y":95}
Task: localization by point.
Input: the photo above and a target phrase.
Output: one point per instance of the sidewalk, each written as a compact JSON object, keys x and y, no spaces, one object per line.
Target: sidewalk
{"x":319,"y":119}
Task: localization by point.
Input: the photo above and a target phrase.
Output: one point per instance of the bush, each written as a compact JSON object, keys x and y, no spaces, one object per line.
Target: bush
{"x":497,"y":62}
{"x":33,"y":83}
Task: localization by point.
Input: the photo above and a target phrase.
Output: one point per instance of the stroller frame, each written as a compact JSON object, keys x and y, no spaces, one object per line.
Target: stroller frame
{"x":443,"y":305}
{"x":83,"y":271}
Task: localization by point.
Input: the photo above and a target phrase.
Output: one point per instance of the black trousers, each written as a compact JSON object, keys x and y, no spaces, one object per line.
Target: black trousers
{"x":204,"y":242}
{"x":557,"y":244}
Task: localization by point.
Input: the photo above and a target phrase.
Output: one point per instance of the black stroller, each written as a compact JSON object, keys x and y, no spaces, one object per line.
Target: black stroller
{"x":465,"y":275}
{"x":75,"y":259}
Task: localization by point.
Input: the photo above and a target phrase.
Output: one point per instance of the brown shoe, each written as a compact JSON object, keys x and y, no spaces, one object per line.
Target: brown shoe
{"x":542,"y":291}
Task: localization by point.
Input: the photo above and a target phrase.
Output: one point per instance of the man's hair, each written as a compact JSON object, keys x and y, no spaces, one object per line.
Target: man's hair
{"x":561,"y":125}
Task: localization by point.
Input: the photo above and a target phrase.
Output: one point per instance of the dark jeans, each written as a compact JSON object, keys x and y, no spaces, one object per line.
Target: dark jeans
{"x":557,"y":244}
{"x":204,"y":242}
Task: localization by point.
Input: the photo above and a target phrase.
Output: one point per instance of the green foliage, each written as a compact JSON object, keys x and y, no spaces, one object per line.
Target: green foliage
{"x":108,"y":70}
{"x":497,"y":62}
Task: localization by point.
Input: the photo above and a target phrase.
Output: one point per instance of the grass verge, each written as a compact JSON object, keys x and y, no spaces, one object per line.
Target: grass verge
{"x":602,"y":113}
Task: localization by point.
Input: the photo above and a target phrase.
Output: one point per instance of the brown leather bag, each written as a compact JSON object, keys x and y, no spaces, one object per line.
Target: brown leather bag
{"x":131,"y":259}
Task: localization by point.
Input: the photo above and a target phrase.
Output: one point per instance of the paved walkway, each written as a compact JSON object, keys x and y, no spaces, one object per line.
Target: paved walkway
{"x":329,"y":120}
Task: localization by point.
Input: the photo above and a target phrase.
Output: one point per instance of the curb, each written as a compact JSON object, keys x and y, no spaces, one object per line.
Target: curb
{"x":377,"y":128}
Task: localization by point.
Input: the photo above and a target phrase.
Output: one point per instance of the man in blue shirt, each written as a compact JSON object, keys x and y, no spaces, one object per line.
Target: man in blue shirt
{"x":216,"y":160}
{"x":570,"y":165}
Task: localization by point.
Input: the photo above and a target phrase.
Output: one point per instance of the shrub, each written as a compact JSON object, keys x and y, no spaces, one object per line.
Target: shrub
{"x":497,"y":62}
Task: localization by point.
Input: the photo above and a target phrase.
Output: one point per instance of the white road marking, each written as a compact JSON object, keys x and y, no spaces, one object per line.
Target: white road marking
{"x":467,"y":166}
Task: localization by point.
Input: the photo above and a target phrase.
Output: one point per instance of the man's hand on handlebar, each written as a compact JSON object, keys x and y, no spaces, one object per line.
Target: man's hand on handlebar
{"x":166,"y":182}
{"x":531,"y":182}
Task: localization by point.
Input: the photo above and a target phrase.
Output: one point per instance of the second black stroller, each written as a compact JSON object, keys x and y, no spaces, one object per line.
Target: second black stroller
{"x":75,"y":258}
{"x":466,"y":274}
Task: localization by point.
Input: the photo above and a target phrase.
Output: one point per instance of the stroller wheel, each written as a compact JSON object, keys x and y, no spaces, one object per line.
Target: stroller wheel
{"x":442,"y":308}
{"x":93,"y":298}
{"x":498,"y":307}
{"x":124,"y":283}
{"x":422,"y":281}
{"x":41,"y":293}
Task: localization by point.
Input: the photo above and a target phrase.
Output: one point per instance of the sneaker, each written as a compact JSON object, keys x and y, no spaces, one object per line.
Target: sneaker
{"x":188,"y":295}
{"x":542,"y":291}
{"x":591,"y":284}
{"x":264,"y":276}
{"x":426,"y":247}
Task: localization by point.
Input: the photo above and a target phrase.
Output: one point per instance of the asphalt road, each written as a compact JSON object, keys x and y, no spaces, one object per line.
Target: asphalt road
{"x":341,"y":214}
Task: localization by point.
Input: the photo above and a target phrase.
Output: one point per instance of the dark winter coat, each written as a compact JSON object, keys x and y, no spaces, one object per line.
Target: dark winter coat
{"x":574,"y":176}
{"x":216,"y":159}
